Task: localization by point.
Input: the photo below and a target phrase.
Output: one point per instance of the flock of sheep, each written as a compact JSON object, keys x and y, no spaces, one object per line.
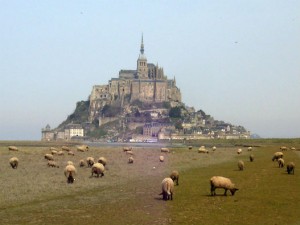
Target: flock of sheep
{"x":98,"y":167}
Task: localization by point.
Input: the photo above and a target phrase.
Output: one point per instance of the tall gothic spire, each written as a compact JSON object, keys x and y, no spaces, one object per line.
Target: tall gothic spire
{"x":142,"y":45}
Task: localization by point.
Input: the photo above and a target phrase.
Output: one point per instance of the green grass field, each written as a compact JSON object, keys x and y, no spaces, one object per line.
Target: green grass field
{"x":129,"y":193}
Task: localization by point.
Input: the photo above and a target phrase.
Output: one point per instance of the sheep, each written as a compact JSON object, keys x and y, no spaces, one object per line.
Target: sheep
{"x":14,"y":162}
{"x":82,"y":148}
{"x":290,"y":167}
{"x":280,"y":162}
{"x":53,"y":149}
{"x":129,"y":152}
{"x":241,"y":165}
{"x":165,"y":150}
{"x":49,"y":157}
{"x":52,"y":164}
{"x":292,"y":148}
{"x":98,"y":169}
{"x":161,"y":158}
{"x":222,"y":182}
{"x":250,"y":148}
{"x":82,"y":163}
{"x":277,"y":155}
{"x":71,"y":153}
{"x":251,"y":157}
{"x":70,"y":172}
{"x":65,"y":148}
{"x":90,"y":161}
{"x":239,"y":151}
{"x":214,"y":148}
{"x":70,"y":163}
{"x":54,"y":152}
{"x":167,"y":186}
{"x":125,"y":149}
{"x":102,"y":160}
{"x":202,"y":150}
{"x":190,"y":147}
{"x":13,"y":148}
{"x":283,"y":148}
{"x":175,"y":176}
{"x":130,"y":159}
{"x":60,"y":153}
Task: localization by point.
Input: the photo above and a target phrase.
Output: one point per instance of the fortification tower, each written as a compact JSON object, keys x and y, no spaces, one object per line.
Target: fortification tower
{"x":142,"y":67}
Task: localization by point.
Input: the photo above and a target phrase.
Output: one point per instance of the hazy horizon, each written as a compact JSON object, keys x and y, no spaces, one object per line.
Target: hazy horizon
{"x":238,"y":61}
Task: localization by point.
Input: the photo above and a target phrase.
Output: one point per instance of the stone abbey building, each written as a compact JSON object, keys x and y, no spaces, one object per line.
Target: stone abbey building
{"x":147,"y":83}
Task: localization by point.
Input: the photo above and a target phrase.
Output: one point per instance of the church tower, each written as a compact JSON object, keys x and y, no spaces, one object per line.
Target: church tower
{"x":142,"y":68}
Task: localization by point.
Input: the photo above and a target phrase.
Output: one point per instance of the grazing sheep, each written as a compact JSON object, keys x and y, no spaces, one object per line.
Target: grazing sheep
{"x":71,"y":153}
{"x":65,"y":148}
{"x":82,"y":148}
{"x":49,"y":157}
{"x":130,"y":159}
{"x":70,"y":172}
{"x":190,"y":147}
{"x":202,"y":150}
{"x":52,"y":164}
{"x":125,"y":149}
{"x":90,"y":161}
{"x":241,"y":165}
{"x":60,"y":153}
{"x":167,"y":186}
{"x":250,"y":148}
{"x":292,"y":148}
{"x":165,"y":150}
{"x":13,"y":148}
{"x":102,"y":160}
{"x":14,"y":162}
{"x":251,"y":157}
{"x":239,"y":151}
{"x":82,"y":163}
{"x":54,"y":152}
{"x":283,"y":148}
{"x":98,"y":169}
{"x":277,"y":155}
{"x":161,"y":158}
{"x":280,"y":162}
{"x":53,"y":148}
{"x":129,"y":152}
{"x":214,"y":148}
{"x":221,"y":182}
{"x":175,"y":176}
{"x":290,"y":167}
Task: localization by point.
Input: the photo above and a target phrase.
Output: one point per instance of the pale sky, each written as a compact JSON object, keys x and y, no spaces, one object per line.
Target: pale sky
{"x":237,"y":60}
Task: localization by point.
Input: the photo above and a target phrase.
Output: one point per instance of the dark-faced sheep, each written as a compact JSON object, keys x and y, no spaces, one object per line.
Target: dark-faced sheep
{"x":98,"y":169}
{"x":277,"y":155}
{"x":167,"y":186}
{"x":103,"y":161}
{"x":175,"y":176}
{"x":222,"y":182}
{"x":90,"y":161}
{"x":251,"y":158}
{"x":290,"y":168}
{"x":14,"y":162}
{"x":82,"y":163}
{"x":239,"y":151}
{"x":70,"y":172}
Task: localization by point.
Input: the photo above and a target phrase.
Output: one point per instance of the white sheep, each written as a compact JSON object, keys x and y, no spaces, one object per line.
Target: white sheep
{"x":241,"y":165}
{"x":214,"y":148}
{"x":167,"y":186}
{"x":125,"y":149}
{"x":202,"y":150}
{"x":129,"y":152}
{"x":70,"y":163}
{"x":175,"y":176}
{"x":283,"y":148}
{"x":49,"y":157}
{"x":52,"y":164}
{"x":98,"y":169}
{"x":277,"y":155}
{"x":161,"y":158}
{"x":239,"y":151}
{"x":290,"y":167}
{"x":13,"y":148}
{"x":53,"y":148}
{"x":102,"y":160}
{"x":82,"y":148}
{"x":90,"y":161}
{"x":280,"y":162}
{"x":65,"y":148}
{"x":165,"y":150}
{"x":250,"y":148}
{"x":54,"y":152}
{"x":70,"y":172}
{"x":14,"y":162}
{"x":130,"y":159}
{"x":71,"y":153}
{"x":222,"y":182}
{"x":60,"y":153}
